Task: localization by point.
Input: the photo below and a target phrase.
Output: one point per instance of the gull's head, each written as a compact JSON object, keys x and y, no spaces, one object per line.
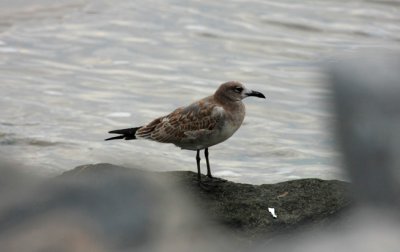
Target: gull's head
{"x":235,"y":91}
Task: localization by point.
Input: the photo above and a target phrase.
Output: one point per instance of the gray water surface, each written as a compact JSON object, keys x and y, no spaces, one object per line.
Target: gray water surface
{"x":72,"y":70}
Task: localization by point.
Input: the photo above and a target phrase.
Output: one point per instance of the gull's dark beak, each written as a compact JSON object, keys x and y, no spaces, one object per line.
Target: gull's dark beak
{"x":256,"y":94}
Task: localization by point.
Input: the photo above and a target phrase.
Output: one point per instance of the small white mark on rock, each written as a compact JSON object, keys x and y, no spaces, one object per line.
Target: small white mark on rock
{"x":272,"y":211}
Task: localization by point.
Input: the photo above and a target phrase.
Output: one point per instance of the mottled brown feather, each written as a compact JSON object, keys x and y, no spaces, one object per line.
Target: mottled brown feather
{"x":183,"y":123}
{"x":200,"y":125}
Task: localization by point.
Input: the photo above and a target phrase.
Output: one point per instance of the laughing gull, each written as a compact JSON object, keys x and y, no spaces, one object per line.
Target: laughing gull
{"x":202,"y":124}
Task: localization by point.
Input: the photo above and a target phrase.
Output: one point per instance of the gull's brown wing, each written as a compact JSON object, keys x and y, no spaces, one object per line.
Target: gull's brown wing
{"x":185,"y":123}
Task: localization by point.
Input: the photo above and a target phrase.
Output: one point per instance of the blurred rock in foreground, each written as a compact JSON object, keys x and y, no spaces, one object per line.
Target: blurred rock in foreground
{"x":99,"y":208}
{"x":243,"y":208}
{"x":104,"y":207}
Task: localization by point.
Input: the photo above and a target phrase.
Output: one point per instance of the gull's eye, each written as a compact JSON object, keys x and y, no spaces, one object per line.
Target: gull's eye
{"x":238,"y":89}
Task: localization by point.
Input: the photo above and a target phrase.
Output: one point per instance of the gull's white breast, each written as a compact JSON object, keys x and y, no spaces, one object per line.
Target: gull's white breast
{"x":227,"y":126}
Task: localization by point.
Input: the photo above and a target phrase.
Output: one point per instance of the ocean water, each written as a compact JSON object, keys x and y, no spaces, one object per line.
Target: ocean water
{"x":70,"y":71}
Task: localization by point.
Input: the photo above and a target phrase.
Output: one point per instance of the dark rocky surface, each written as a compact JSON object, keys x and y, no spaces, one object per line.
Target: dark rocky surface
{"x":104,"y":207}
{"x":243,"y":208}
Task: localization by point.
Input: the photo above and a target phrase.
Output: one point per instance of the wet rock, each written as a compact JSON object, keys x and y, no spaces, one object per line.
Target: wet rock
{"x":104,"y":207}
{"x":244,"y":208}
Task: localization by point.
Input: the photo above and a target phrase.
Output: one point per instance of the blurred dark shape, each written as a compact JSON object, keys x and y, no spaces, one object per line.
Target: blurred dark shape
{"x":97,"y":210}
{"x":104,"y":207}
{"x":367,"y":100}
{"x":366,"y":89}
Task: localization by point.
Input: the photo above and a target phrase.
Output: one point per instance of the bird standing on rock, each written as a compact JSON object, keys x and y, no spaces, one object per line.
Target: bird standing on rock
{"x":202,"y":124}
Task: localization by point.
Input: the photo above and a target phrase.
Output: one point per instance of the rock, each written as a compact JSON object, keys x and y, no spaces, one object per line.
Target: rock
{"x":104,"y":207}
{"x":367,"y":102}
{"x":243,"y":208}
{"x":99,"y":208}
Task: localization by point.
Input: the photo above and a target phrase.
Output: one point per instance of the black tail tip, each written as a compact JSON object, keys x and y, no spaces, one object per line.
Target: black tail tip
{"x":114,"y":138}
{"x":127,"y":134}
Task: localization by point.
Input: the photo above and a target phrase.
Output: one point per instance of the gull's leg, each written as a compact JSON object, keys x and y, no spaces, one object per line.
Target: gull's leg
{"x":208,"y":163}
{"x":198,"y":166}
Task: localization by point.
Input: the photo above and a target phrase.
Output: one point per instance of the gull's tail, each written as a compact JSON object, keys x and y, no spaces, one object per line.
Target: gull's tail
{"x":127,"y":134}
